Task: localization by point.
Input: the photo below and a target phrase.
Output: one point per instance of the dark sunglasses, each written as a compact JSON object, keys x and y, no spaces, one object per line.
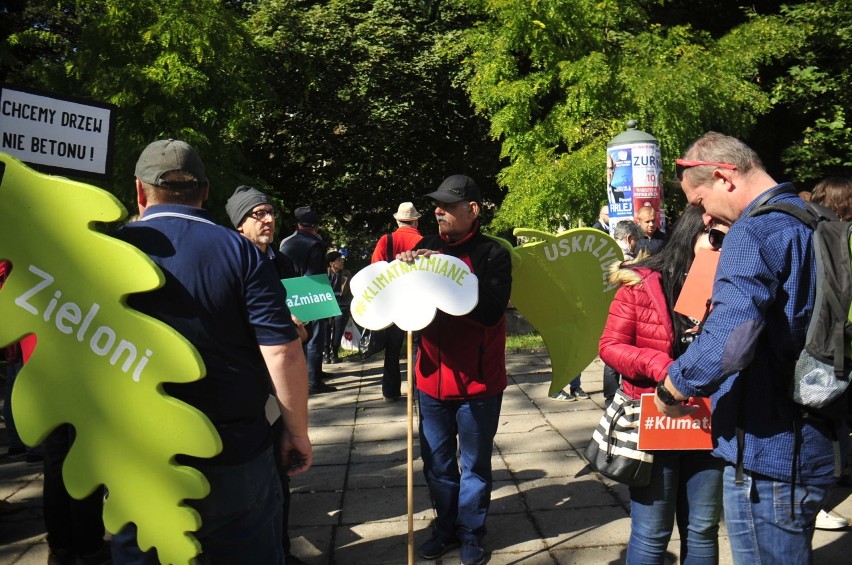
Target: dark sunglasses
{"x":682,"y":164}
{"x":716,"y":237}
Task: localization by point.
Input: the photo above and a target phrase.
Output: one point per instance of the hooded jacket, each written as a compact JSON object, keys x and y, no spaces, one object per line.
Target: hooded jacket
{"x":464,"y":357}
{"x":637,"y":339}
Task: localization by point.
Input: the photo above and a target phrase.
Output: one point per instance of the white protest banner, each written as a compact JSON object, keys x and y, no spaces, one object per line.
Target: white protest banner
{"x":409,"y":294}
{"x":56,"y":133}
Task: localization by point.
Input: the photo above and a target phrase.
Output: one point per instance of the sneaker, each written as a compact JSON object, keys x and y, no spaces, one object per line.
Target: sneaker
{"x":564,"y":395}
{"x":435,"y":547}
{"x":828,"y":520}
{"x":472,"y":553}
{"x":580,"y":393}
{"x":321,"y":388}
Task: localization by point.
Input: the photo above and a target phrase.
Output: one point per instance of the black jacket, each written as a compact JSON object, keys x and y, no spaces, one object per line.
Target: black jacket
{"x":307,"y":251}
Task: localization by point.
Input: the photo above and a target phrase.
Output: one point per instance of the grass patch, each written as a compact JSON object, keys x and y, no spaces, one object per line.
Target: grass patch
{"x":525,"y":343}
{"x":519,"y":343}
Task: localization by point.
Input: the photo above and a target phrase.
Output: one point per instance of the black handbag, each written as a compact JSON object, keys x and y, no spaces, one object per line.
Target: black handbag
{"x":613,"y":451}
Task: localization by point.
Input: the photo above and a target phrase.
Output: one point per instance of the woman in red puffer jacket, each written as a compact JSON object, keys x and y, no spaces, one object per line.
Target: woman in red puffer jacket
{"x":643,"y":335}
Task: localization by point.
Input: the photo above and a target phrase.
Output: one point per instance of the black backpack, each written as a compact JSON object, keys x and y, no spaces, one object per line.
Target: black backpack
{"x":820,"y":383}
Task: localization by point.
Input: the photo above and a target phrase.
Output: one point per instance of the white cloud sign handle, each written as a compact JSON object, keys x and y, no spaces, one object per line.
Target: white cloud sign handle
{"x":409,"y":294}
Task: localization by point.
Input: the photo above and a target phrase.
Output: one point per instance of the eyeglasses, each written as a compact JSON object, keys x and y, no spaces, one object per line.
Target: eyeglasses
{"x":715,"y":237}
{"x":262,"y":215}
{"x":682,"y":164}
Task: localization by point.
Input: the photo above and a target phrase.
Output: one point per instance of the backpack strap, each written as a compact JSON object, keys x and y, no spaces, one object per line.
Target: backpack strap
{"x":389,"y":241}
{"x":801,"y":214}
{"x":772,"y":193}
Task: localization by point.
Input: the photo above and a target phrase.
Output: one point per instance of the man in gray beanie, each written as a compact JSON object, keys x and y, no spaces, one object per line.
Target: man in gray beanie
{"x":253,"y":214}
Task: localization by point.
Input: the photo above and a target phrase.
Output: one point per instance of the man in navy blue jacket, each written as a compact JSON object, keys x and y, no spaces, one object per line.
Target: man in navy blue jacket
{"x":224,"y":298}
{"x":307,"y":251}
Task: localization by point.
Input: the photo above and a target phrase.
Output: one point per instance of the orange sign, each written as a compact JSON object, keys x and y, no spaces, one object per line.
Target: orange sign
{"x":658,"y":431}
{"x":698,"y":286}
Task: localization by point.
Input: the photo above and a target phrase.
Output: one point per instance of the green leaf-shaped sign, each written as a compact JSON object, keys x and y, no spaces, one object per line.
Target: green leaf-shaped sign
{"x":560,"y":286}
{"x":98,"y":364}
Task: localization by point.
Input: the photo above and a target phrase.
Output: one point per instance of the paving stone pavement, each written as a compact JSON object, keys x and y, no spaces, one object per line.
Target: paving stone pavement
{"x":351,"y":507}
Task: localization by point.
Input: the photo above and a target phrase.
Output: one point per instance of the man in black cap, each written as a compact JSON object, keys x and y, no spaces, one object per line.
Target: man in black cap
{"x":461,"y":375}
{"x":307,"y":251}
{"x":231,"y":306}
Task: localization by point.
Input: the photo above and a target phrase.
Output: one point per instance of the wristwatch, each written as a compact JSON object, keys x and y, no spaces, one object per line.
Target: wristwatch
{"x":665,"y":396}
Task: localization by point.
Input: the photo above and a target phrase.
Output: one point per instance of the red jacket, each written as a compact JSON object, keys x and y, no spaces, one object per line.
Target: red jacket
{"x":404,"y":239}
{"x":637,"y":339}
{"x":464,"y":357}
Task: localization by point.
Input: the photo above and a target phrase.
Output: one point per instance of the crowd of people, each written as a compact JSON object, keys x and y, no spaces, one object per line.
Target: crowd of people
{"x":769,"y":473}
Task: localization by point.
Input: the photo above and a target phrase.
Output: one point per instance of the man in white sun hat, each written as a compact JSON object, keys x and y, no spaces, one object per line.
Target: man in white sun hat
{"x":404,"y":238}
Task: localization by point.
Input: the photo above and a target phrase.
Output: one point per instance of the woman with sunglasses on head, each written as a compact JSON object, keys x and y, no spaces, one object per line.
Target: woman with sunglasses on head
{"x":643,"y":335}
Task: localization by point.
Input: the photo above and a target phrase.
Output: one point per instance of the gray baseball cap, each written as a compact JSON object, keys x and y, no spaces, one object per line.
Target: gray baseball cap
{"x":167,"y":155}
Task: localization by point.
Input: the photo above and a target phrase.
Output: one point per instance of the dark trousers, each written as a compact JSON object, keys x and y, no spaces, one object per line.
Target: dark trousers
{"x":313,"y":351}
{"x":284,"y":478}
{"x":611,"y":382}
{"x":240,"y":518}
{"x":72,"y":525}
{"x":391,"y":378}
{"x":337,"y":325}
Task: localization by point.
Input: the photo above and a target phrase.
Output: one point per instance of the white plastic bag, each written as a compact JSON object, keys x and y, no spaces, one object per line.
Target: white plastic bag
{"x":351,"y":336}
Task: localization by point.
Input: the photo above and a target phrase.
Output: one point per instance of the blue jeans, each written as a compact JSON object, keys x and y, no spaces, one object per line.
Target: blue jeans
{"x":686,"y":485}
{"x":241,"y":518}
{"x":611,"y":382}
{"x":761,"y":527}
{"x":575,"y":384}
{"x":460,"y":488}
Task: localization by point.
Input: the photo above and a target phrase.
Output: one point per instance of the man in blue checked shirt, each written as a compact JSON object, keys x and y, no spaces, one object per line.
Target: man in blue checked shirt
{"x":781,"y":464}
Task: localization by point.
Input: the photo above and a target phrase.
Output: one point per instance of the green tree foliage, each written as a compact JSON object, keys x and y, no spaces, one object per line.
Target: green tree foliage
{"x":365,"y":114}
{"x":558,"y":81}
{"x":173,"y":68}
{"x":355,"y":105}
{"x":815,"y":91}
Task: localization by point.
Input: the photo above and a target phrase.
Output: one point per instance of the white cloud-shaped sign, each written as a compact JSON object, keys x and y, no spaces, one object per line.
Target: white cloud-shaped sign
{"x":409,"y":294}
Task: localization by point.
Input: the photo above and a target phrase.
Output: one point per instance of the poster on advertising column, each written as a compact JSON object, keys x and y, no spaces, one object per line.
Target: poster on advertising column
{"x":634,"y":174}
{"x":57,"y":134}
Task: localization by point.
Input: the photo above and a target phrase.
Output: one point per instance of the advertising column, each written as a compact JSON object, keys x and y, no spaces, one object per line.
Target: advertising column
{"x":634,"y":175}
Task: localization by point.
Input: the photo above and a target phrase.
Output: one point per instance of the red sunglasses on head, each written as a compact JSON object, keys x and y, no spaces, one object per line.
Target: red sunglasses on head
{"x":682,"y":164}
